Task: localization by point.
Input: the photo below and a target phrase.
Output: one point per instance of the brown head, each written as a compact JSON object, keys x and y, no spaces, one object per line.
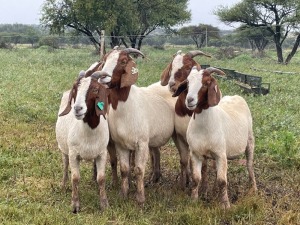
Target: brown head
{"x":202,"y":89}
{"x":90,"y":100}
{"x":179,"y":69}
{"x":119,"y":69}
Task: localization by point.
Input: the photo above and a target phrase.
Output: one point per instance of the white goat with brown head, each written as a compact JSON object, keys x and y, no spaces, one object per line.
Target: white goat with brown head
{"x":179,"y":69}
{"x":138,"y":118}
{"x":83,"y":133}
{"x":176,"y":72}
{"x":221,"y":128}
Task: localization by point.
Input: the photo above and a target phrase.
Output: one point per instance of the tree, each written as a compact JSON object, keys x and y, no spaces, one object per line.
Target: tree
{"x":199,"y":33}
{"x":124,"y":20}
{"x":153,"y":14}
{"x":85,"y":16}
{"x":258,"y":37}
{"x":19,"y":33}
{"x":278,"y":17}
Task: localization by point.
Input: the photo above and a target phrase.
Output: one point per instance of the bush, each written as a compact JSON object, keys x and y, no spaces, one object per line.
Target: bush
{"x":4,"y":45}
{"x":227,"y":53}
{"x":50,"y":41}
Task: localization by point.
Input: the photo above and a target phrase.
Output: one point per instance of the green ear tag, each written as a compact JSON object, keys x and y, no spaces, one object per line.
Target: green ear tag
{"x":100,"y":105}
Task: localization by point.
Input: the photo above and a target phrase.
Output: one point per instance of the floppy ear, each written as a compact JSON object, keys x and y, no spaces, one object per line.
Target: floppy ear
{"x":101,"y":102}
{"x":165,"y":76}
{"x":72,"y":95}
{"x":214,"y":95}
{"x":130,"y":76}
{"x":182,"y":87}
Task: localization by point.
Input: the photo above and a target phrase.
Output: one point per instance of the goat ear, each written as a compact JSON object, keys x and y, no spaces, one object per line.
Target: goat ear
{"x":214,"y":94}
{"x":165,"y":76}
{"x":130,"y":76}
{"x":101,"y":102}
{"x":182,"y":87}
{"x":68,"y":108}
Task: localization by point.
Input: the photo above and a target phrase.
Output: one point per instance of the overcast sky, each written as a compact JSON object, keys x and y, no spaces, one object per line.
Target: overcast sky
{"x":28,"y":11}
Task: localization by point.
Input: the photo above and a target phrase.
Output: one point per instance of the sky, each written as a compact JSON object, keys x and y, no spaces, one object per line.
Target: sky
{"x":28,"y":11}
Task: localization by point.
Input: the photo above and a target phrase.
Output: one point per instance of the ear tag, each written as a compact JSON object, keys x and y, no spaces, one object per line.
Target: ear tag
{"x":134,"y":70}
{"x":100,"y":105}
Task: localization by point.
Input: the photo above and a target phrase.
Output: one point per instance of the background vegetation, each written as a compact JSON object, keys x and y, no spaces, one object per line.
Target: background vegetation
{"x":32,"y":82}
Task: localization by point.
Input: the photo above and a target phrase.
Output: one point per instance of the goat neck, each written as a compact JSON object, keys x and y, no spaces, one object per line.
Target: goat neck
{"x":117,"y":94}
{"x":180,"y":108}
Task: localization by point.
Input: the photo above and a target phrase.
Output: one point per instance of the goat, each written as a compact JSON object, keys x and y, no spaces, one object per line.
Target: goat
{"x":84,"y":134}
{"x":221,"y":128}
{"x":176,"y":72}
{"x":138,"y":118}
{"x":179,"y":69}
{"x":154,"y":152}
{"x":180,"y":124}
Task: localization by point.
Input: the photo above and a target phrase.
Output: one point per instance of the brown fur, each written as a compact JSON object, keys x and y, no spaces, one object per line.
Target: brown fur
{"x":97,"y":93}
{"x":181,"y":74}
{"x":72,"y":95}
{"x":165,"y":76}
{"x":122,"y":79}
{"x":209,"y":95}
{"x":180,"y":108}
{"x":128,"y":78}
{"x":116,"y":95}
{"x":96,"y":68}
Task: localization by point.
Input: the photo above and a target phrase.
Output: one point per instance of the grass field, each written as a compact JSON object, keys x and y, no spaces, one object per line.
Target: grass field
{"x":32,"y":81}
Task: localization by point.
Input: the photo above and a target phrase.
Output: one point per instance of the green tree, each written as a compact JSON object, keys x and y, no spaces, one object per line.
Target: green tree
{"x":279,"y":17}
{"x":258,"y":37}
{"x":199,"y":33}
{"x":85,"y":16}
{"x":125,"y":20}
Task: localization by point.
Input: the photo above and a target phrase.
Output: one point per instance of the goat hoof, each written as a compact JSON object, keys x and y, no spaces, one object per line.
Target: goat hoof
{"x":226,"y":205}
{"x":76,"y":209}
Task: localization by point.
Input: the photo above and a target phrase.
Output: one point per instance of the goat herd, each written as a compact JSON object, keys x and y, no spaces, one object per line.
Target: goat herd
{"x":186,"y":105}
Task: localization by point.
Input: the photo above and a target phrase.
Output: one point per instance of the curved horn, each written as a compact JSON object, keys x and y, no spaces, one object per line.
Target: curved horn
{"x":215,"y":70}
{"x":133,"y":50}
{"x":81,"y":74}
{"x":194,"y":53}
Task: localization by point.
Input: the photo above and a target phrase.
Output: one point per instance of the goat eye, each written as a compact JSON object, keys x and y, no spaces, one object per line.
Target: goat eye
{"x":95,"y":91}
{"x":123,"y":62}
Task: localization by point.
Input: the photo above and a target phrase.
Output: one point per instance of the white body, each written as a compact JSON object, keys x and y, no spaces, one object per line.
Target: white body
{"x":76,"y":138}
{"x":143,"y":117}
{"x":222,"y":129}
{"x":180,"y":124}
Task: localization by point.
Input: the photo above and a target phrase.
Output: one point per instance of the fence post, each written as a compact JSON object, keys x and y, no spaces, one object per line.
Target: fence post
{"x":102,"y":44}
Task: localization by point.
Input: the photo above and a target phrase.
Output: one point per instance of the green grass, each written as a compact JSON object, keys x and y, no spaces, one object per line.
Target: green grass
{"x":32,"y":81}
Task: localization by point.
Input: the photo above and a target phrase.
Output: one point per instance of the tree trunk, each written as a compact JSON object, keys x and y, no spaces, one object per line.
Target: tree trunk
{"x":140,"y":42}
{"x":279,"y":53}
{"x":277,"y":38}
{"x":294,"y":50}
{"x":133,"y":40}
{"x":114,"y":41}
{"x":124,"y":42}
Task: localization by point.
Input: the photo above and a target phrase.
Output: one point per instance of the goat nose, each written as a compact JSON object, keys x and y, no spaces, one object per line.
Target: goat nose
{"x":77,"y":108}
{"x":190,"y":99}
